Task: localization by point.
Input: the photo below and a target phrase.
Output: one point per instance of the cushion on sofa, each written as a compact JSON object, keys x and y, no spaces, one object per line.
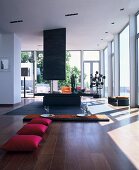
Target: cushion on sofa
{"x":32,"y":129}
{"x":66,"y":90}
{"x":43,"y":121}
{"x":22,"y":143}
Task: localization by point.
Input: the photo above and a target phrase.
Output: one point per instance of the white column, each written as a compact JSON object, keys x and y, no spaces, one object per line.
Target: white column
{"x":10,"y":80}
{"x":110,"y":83}
{"x":102,"y":71}
{"x":117,"y":65}
{"x":82,"y":76}
{"x":55,"y":85}
{"x":132,"y":58}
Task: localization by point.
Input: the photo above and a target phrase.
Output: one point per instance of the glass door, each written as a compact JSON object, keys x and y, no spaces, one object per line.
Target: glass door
{"x":86,"y":77}
{"x":27,"y":74}
{"x":89,"y":67}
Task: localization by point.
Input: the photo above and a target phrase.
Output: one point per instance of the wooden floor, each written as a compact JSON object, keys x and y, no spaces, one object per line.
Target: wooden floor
{"x":112,"y":145}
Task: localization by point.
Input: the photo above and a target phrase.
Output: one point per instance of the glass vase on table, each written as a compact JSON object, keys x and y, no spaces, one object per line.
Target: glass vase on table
{"x":47,"y":114}
{"x":85,"y":110}
{"x":46,"y":108}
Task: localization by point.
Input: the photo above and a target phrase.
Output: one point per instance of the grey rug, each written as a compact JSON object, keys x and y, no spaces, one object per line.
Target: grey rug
{"x":37,"y":108}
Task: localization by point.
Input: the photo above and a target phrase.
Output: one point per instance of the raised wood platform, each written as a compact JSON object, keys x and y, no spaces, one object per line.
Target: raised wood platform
{"x":91,"y":118}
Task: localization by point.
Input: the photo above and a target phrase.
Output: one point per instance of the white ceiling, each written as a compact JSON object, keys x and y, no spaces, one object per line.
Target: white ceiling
{"x":84,"y":32}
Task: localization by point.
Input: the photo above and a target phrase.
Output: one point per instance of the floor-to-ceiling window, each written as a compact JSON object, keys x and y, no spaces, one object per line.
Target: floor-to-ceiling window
{"x":106,"y":71}
{"x":124,"y":63}
{"x":33,"y":60}
{"x":73,"y":66}
{"x":91,"y":64}
{"x":32,"y":65}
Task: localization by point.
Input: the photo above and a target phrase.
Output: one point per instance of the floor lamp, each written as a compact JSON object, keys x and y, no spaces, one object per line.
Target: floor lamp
{"x":25,"y":72}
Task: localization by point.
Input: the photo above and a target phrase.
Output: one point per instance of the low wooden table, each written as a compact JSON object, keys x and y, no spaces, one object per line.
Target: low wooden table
{"x":68,"y":117}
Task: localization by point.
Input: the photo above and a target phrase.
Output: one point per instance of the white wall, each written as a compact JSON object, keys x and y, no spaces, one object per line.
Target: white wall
{"x":10,"y":83}
{"x":17,"y":70}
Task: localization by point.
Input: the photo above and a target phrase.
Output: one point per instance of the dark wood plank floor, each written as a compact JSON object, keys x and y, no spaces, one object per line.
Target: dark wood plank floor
{"x":110,"y":145}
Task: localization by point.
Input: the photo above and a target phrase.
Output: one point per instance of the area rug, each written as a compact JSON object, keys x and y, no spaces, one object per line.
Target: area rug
{"x":38,"y":108}
{"x":71,"y":117}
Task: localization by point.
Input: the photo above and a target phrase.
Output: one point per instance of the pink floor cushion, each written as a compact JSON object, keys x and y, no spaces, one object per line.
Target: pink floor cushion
{"x":32,"y":129}
{"x":43,"y":121}
{"x":22,"y":143}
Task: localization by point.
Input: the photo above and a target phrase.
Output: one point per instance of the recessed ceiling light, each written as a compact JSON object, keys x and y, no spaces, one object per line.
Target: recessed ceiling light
{"x":72,"y":14}
{"x":106,"y":32}
{"x":16,"y":21}
{"x":39,"y":45}
{"x":112,"y":23}
{"x":101,"y":39}
{"x":122,"y":9}
{"x":98,"y":45}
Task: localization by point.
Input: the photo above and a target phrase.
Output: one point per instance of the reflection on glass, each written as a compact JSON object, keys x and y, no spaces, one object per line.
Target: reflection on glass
{"x":124,"y":63}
